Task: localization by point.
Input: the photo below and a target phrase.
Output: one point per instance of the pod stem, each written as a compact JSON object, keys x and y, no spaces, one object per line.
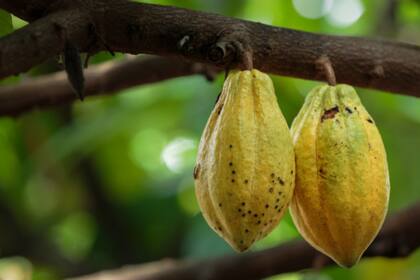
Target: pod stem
{"x":247,"y":60}
{"x":324,"y":65}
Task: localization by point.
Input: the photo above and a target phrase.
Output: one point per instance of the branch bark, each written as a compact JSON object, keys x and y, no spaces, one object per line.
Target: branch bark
{"x":28,"y":10}
{"x":399,"y":237}
{"x":213,"y":39}
{"x":106,"y":78}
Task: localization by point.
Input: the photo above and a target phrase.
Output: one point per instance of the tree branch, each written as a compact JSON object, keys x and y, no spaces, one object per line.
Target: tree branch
{"x":213,"y":39}
{"x":28,"y":10}
{"x":109,"y":77}
{"x":399,"y":237}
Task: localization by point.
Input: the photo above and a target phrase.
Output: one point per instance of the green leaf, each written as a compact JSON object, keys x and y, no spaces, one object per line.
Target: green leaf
{"x":5,"y":23}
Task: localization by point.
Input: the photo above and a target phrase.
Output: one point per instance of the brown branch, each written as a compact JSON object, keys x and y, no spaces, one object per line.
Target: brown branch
{"x":106,"y":78}
{"x":213,"y":39}
{"x":28,"y":10}
{"x":399,"y":237}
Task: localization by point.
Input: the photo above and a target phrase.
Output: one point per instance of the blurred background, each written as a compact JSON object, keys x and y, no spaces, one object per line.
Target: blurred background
{"x":108,"y":181}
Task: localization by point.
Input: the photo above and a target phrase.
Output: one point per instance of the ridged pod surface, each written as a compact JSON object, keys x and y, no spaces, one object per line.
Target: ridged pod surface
{"x":244,"y":174}
{"x":342,"y":184}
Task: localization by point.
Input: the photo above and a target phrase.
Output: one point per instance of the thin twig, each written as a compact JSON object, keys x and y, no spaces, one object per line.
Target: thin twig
{"x":325,"y":67}
{"x":106,"y":78}
{"x":399,"y":237}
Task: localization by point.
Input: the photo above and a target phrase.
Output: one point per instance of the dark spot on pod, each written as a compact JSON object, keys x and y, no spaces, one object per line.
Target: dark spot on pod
{"x":220,"y":204}
{"x":233,"y":171}
{"x":291,"y":171}
{"x":220,"y":108}
{"x":246,"y":181}
{"x":273,"y":181}
{"x":279,"y":210}
{"x":253,"y":240}
{"x":349,"y":110}
{"x":239,"y":210}
{"x":255,"y":215}
{"x":330,"y":113}
{"x":231,"y":146}
{"x":271,"y":190}
{"x":281,"y":182}
{"x":219,"y":228}
{"x":233,"y":180}
{"x":275,"y":207}
{"x":322,"y":173}
{"x":277,"y":200}
{"x":355,"y":108}
{"x":246,"y":230}
{"x":259,"y":222}
{"x":270,"y":221}
{"x":249,"y":211}
{"x":243,"y":215}
{"x":242,"y":242}
{"x":272,"y":175}
{"x":261,"y":232}
{"x":196,"y":171}
{"x":243,"y":203}
{"x":369,"y":121}
{"x":263,"y":214}
{"x":265,"y":224}
{"x":280,"y":193}
{"x":266,"y":206}
{"x":230,"y":163}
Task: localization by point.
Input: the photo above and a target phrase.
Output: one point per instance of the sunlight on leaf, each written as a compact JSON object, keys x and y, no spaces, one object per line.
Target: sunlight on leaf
{"x":313,"y":8}
{"x":179,"y":154}
{"x":345,"y":12}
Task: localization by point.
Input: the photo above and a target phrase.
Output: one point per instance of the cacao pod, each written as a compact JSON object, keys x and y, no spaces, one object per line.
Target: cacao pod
{"x":244,"y":174}
{"x":342,"y":182}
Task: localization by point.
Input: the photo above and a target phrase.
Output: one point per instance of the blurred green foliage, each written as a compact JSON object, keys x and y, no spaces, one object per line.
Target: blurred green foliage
{"x":109,"y":181}
{"x":5,"y":23}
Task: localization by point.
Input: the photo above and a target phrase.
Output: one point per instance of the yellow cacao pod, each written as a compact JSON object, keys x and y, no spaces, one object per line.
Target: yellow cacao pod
{"x":244,"y":174}
{"x":342,"y":184}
